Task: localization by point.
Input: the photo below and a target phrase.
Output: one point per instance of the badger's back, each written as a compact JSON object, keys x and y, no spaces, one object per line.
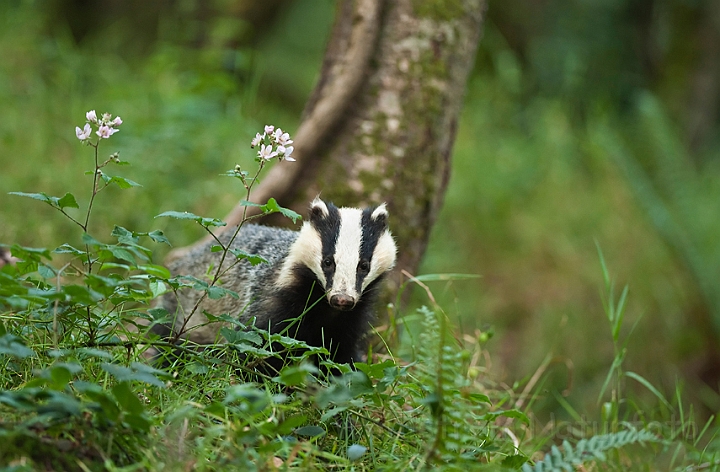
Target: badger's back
{"x":243,"y":278}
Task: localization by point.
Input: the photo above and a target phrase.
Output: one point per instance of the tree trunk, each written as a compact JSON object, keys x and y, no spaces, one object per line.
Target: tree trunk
{"x":381,"y":122}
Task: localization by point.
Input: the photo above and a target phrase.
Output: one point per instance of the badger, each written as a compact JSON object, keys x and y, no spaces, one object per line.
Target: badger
{"x":319,"y":284}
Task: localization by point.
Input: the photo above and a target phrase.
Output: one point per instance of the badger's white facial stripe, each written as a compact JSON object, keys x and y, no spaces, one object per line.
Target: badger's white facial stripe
{"x":383,"y":258}
{"x":307,"y":251}
{"x":347,"y":253}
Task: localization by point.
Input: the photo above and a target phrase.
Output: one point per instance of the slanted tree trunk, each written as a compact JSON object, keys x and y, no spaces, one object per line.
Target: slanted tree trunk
{"x":381,"y":122}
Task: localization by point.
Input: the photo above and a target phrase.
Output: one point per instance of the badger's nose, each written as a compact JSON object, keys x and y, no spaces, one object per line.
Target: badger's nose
{"x":342,"y":302}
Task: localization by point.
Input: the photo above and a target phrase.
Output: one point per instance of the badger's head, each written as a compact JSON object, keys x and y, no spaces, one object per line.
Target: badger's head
{"x":346,"y":249}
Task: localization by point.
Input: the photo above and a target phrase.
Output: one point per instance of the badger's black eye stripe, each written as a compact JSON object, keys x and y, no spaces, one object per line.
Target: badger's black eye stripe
{"x":328,"y":228}
{"x":372,"y":230}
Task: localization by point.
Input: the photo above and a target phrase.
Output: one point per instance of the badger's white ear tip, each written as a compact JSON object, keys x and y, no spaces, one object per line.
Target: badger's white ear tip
{"x":318,"y":204}
{"x":381,"y":210}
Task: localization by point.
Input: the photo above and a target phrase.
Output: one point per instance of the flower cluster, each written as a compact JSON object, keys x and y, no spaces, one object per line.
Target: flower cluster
{"x":106,"y":126}
{"x":273,"y":143}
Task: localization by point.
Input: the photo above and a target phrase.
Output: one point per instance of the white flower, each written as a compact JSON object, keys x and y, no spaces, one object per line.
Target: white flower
{"x":276,"y":135}
{"x":269,"y":129}
{"x":284,"y":139}
{"x":287,"y":152}
{"x":106,"y":117}
{"x":266,"y":152}
{"x":106,"y":131}
{"x":83,"y":134}
{"x":91,"y":116}
{"x":117,"y":121}
{"x":257,"y":139}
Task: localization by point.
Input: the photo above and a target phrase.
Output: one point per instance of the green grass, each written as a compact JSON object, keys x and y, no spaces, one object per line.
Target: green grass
{"x":532,"y":194}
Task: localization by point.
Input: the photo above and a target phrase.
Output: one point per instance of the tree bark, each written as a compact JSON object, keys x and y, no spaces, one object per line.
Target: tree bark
{"x":381,"y":122}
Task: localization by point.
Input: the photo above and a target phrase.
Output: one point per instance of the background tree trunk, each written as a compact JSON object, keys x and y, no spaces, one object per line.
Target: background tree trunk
{"x":381,"y":122}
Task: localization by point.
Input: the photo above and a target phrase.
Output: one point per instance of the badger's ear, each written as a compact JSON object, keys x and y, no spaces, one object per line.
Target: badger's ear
{"x":318,"y":210}
{"x":380,"y":215}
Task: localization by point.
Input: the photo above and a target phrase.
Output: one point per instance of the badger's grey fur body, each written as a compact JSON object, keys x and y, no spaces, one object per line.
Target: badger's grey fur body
{"x":327,"y":274}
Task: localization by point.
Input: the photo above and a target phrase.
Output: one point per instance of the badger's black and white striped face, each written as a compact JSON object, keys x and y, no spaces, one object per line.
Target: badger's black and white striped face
{"x":346,"y":249}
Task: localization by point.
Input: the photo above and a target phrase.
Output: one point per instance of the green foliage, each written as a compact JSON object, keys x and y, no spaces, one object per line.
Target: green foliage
{"x":586,"y":450}
{"x":545,"y":129}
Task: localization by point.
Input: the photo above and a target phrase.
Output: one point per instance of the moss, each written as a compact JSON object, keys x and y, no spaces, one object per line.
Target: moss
{"x":443,"y":10}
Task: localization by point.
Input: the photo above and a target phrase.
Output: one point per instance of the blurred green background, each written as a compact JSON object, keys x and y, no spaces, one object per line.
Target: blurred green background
{"x":585,"y":123}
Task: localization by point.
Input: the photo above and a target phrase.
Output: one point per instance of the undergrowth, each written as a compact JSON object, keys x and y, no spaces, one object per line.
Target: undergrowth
{"x":77,"y":391}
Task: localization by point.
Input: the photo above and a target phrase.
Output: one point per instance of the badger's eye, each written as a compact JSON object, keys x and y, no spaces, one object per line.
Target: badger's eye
{"x":328,"y":262}
{"x":364,"y":266}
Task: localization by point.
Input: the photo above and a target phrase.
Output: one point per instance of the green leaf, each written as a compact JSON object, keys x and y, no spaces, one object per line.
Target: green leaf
{"x":67,"y":201}
{"x":216,"y":292}
{"x":139,"y":372}
{"x":123,"y":183}
{"x":253,"y":259}
{"x":649,"y":386}
{"x":122,"y":254}
{"x":68,"y":249}
{"x":514,"y":413}
{"x":287,"y":426}
{"x":310,"y":431}
{"x":127,"y":399}
{"x":184,"y":215}
{"x":234,"y":336}
{"x":81,"y":294}
{"x":292,"y":375}
{"x":272,"y":207}
{"x":155,"y":270}
{"x":123,"y":235}
{"x":14,"y":346}
{"x":60,"y":375}
{"x":159,"y":237}
{"x":92,"y":352}
{"x":90,"y":241}
{"x":42,"y":196}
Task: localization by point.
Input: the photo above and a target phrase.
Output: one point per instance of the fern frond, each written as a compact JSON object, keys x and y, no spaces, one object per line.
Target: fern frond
{"x":588,"y":450}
